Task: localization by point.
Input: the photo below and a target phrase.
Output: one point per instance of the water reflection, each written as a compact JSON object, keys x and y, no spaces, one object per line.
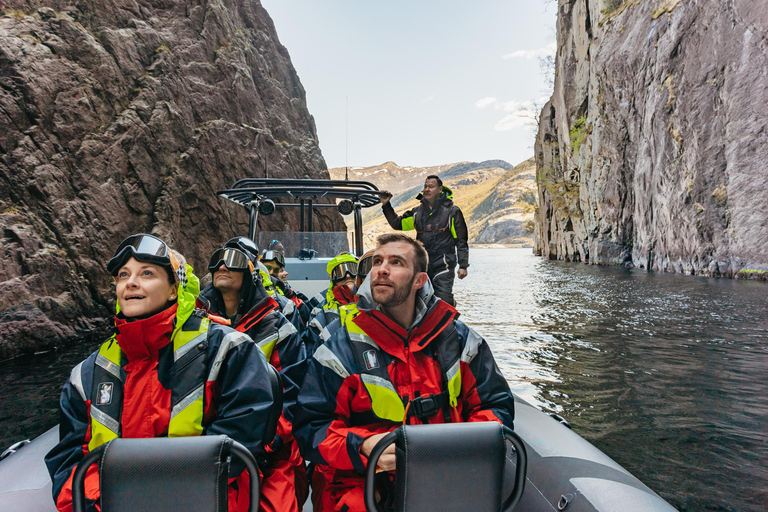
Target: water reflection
{"x":665,"y":373}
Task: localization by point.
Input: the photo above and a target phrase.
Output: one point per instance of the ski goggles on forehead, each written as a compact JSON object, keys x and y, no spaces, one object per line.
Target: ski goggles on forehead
{"x":364,"y":266}
{"x":275,"y":256}
{"x":341,"y":270}
{"x":144,"y":248}
{"x":233,"y":259}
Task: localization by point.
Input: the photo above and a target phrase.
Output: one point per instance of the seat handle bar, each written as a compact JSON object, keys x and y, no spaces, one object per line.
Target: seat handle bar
{"x":78,"y":480}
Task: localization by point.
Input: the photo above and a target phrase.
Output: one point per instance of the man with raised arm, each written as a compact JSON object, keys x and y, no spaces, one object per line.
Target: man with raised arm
{"x":440,"y":226}
{"x":401,"y":357}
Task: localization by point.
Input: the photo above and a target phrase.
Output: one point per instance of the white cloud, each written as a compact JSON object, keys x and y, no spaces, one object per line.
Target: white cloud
{"x":547,"y":51}
{"x":485,"y":102}
{"x":522,"y":119}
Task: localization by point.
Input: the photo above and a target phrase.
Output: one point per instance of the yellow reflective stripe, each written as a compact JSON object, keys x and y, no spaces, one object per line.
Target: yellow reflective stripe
{"x":408,"y":223}
{"x":189,"y":345}
{"x":111,"y":351}
{"x":453,"y":228}
{"x":187,"y":415}
{"x":454,"y":383}
{"x":385,"y":401}
{"x":184,"y":337}
{"x":104,"y":428}
{"x":267,"y":345}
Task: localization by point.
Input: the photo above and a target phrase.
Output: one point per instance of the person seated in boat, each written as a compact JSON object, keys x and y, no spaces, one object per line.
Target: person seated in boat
{"x":133,"y":386}
{"x":402,"y":357}
{"x":363,"y":268}
{"x":235,"y":294}
{"x":274,"y":260}
{"x":342,"y":271}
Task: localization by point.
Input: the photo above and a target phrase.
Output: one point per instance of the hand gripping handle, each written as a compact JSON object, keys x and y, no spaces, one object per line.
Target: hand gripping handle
{"x":370,"y":470}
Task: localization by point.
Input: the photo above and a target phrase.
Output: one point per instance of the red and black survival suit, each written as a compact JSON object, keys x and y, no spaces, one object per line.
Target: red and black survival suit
{"x":371,"y":375}
{"x":443,"y":232}
{"x":135,"y":385}
{"x":284,"y":487}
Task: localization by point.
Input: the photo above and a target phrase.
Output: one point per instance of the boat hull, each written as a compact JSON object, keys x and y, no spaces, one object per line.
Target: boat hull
{"x":565,"y":472}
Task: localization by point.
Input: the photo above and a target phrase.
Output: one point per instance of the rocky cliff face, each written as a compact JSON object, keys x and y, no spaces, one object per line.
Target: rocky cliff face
{"x":118,"y":117}
{"x":651,"y":150}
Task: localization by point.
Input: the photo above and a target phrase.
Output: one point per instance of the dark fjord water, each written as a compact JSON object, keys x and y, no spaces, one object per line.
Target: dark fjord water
{"x":665,"y":373}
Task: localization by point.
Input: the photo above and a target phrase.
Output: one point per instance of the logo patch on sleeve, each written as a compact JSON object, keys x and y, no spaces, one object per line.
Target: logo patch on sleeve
{"x":105,"y":393}
{"x":371,"y":360}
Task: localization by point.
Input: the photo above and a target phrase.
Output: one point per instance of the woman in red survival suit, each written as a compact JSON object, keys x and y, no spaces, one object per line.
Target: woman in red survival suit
{"x":167,"y":371}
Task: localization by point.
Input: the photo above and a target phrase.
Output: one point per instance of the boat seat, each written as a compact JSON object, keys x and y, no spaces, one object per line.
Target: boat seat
{"x":165,"y":474}
{"x":452,"y":467}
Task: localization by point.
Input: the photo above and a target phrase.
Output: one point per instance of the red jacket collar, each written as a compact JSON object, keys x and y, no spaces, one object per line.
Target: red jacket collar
{"x":142,"y":339}
{"x":392,"y":338}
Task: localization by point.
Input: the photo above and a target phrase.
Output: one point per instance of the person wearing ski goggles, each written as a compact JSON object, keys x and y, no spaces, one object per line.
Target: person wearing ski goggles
{"x":274,"y":261}
{"x":138,"y":383}
{"x":364,"y":268}
{"x":239,"y":292}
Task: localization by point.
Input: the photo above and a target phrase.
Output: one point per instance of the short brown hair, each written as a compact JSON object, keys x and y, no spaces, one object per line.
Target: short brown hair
{"x":422,"y":260}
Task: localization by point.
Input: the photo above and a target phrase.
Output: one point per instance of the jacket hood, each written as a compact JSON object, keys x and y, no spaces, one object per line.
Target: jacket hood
{"x":425,"y":299}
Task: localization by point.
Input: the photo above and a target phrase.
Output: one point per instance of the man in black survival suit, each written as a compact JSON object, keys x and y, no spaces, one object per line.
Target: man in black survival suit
{"x":236,"y":293}
{"x":440,"y":226}
{"x":401,"y":357}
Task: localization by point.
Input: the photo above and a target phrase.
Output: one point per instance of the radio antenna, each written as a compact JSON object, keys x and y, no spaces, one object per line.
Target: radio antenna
{"x":346,"y":139}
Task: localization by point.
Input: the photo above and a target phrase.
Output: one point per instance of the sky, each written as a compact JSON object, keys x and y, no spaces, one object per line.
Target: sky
{"x":420,"y":82}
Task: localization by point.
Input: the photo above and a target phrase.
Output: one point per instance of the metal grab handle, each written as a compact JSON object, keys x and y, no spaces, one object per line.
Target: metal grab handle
{"x":521,"y":461}
{"x":370,"y":471}
{"x":78,"y":480}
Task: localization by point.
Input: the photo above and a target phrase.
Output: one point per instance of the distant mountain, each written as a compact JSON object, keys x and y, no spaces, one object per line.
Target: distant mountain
{"x":497,"y":199}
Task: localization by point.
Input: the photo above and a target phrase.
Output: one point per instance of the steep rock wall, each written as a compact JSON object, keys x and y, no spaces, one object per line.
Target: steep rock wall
{"x":126,"y":116}
{"x":651,"y":150}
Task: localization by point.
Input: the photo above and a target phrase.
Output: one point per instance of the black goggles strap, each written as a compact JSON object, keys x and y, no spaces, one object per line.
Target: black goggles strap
{"x":233,"y":259}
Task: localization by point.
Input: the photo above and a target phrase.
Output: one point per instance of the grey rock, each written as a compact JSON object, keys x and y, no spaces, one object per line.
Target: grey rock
{"x":651,"y":149}
{"x":119,"y":117}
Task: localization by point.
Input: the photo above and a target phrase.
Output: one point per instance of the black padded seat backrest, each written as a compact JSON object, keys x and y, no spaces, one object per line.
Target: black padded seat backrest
{"x":165,"y":474}
{"x":181,"y":473}
{"x":451,"y":467}
{"x":455,"y":467}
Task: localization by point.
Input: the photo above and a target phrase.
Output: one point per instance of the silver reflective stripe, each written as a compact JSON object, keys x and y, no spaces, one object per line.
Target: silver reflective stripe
{"x":315,"y":311}
{"x":188,"y":400}
{"x":325,"y":335}
{"x":453,"y":370}
{"x":289,"y":308}
{"x":108,"y":366}
{"x":229,"y":342}
{"x":106,"y":420}
{"x":320,"y":297}
{"x":189,"y":346}
{"x":315,"y":324}
{"x":76,"y":378}
{"x":266,"y":341}
{"x":325,"y":357}
{"x":377,"y":381}
{"x":471,"y":347}
{"x":363,"y":338}
{"x":286,"y":330}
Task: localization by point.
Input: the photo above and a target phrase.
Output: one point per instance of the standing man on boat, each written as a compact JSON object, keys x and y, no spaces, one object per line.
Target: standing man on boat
{"x":236,"y":293}
{"x":440,"y":226}
{"x":401,"y":357}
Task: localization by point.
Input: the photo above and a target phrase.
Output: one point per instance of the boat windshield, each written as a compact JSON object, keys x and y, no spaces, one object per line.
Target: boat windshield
{"x":326,"y":244}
